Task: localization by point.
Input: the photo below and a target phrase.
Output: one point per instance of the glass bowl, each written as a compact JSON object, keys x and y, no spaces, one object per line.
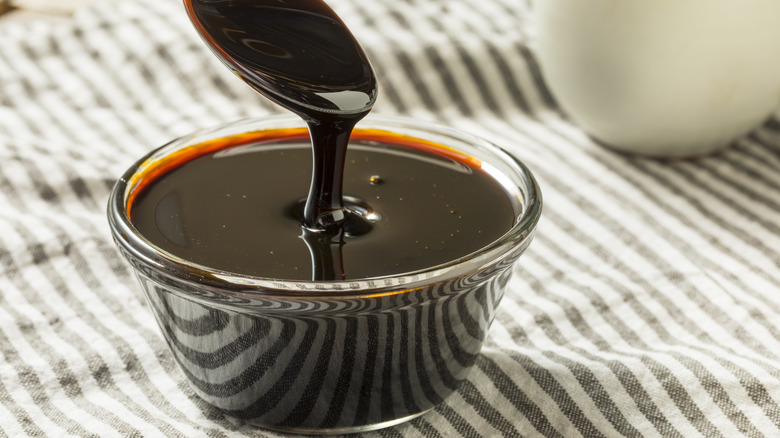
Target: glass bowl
{"x":334,"y":356}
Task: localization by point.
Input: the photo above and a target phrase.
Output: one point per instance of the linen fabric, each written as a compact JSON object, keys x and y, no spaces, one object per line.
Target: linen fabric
{"x":648,"y":304}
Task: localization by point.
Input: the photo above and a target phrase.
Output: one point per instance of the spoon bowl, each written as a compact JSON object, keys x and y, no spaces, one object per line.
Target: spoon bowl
{"x":273,"y":45}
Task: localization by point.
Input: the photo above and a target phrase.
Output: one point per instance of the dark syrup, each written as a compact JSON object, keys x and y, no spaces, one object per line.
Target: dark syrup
{"x":299,"y":54}
{"x":252,"y":216}
{"x":236,"y":208}
{"x":387,"y":205}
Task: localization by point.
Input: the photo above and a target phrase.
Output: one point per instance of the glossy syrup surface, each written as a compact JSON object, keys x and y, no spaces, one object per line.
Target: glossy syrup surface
{"x":232,"y":205}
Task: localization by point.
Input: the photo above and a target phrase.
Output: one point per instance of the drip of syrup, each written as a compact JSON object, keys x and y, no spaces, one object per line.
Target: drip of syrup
{"x":299,"y":54}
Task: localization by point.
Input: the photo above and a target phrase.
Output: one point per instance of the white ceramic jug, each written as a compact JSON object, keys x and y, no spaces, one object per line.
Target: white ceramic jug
{"x":662,"y":77}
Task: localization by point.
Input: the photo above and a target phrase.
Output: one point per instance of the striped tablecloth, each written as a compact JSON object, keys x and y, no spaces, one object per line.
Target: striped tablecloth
{"x":648,"y":305}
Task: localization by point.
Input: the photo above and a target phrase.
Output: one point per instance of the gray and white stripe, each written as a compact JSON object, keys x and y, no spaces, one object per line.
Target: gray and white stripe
{"x":648,"y":304}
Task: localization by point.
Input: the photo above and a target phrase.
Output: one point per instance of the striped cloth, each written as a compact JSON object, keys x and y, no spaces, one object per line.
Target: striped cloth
{"x":648,"y":305}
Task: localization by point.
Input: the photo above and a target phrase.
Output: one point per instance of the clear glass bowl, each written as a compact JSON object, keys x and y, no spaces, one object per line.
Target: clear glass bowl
{"x":338,"y":356}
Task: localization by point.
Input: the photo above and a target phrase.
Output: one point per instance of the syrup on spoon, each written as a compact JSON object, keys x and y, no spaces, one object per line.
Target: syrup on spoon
{"x":299,"y":54}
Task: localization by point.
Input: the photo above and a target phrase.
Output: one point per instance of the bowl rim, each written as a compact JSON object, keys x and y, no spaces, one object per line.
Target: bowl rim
{"x":134,"y":245}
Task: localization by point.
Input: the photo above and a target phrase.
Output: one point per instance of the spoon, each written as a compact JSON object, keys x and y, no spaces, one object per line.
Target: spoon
{"x":297,"y":53}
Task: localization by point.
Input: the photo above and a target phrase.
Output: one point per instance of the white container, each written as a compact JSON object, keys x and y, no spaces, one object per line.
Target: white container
{"x":665,"y":78}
